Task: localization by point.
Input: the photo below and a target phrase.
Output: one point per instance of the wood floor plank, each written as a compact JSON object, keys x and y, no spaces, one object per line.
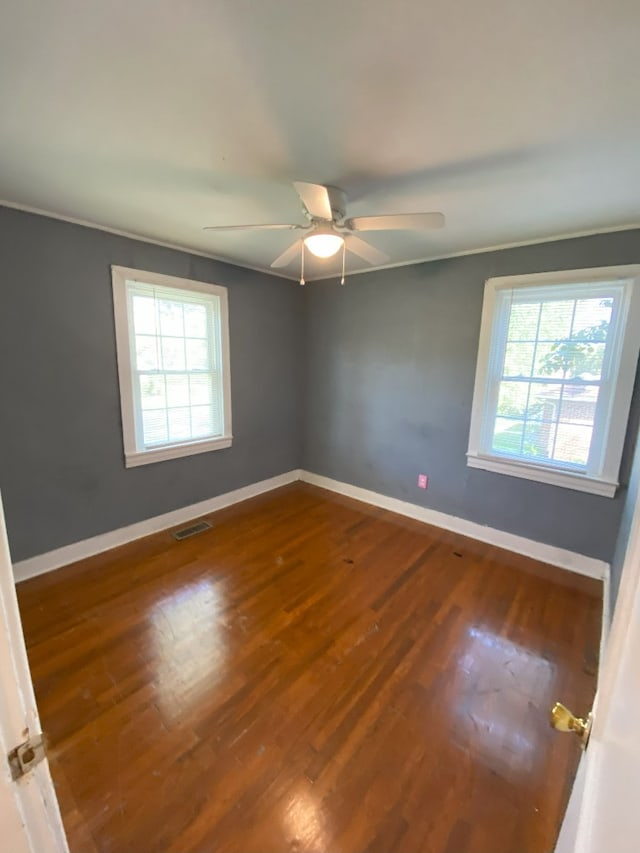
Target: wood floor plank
{"x":311,"y":674}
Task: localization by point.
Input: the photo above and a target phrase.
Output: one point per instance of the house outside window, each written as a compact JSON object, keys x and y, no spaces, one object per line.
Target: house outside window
{"x":172,"y":337}
{"x":554,"y":378}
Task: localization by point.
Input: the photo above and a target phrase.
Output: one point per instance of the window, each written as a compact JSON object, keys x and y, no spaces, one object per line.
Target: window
{"x":556,"y":366}
{"x":173,"y":363}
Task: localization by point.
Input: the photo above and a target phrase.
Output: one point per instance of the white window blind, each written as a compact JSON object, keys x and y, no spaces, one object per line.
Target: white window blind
{"x":553,"y":386}
{"x":177,"y":388}
{"x":177,"y":364}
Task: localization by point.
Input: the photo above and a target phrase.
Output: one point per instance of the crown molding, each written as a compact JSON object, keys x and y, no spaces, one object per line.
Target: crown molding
{"x":481,"y":250}
{"x":141,"y":238}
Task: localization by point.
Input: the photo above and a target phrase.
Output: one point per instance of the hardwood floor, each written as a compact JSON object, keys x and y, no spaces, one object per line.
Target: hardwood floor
{"x":312,"y":674}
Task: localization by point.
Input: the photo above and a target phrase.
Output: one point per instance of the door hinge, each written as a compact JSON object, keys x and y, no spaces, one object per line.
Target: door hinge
{"x":24,"y":758}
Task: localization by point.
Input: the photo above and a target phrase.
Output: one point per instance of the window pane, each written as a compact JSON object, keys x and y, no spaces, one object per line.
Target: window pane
{"x":538,"y":439}
{"x":512,"y":399}
{"x":560,"y":359}
{"x":544,"y":400}
{"x":523,"y":321}
{"x":518,"y":359}
{"x":146,"y":353}
{"x":200,"y":386}
{"x":572,"y":444}
{"x":178,"y":390}
{"x":579,"y":405}
{"x":588,"y":360}
{"x":570,"y":359}
{"x":195,"y":321}
{"x":197,"y":354}
{"x":507,"y":435}
{"x":144,"y":315}
{"x":592,"y":319}
{"x":547,"y":363}
{"x":170,"y":317}
{"x":154,"y":427}
{"x":203,"y":422}
{"x":555,"y":319}
{"x":179,"y":424}
{"x":152,"y":394}
{"x":173,"y":353}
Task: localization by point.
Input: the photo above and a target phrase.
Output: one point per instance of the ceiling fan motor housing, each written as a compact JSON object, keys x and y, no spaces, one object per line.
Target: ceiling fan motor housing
{"x":324,"y":208}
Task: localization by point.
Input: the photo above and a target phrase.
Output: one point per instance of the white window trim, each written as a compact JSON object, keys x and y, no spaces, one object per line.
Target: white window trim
{"x":132,"y":455}
{"x":606,"y":482}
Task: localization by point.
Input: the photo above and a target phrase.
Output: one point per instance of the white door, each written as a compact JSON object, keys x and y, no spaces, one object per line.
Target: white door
{"x":604,"y":812}
{"x":29,"y":815}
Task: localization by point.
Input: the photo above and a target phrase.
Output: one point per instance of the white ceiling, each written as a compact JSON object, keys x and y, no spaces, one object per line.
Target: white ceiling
{"x":520,"y":121}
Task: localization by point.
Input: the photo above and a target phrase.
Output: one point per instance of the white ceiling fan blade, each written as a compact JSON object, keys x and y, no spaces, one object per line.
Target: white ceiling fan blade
{"x":366,"y":251}
{"x":396,"y":222}
{"x":252,"y":227}
{"x":315,"y":198}
{"x":288,"y":255}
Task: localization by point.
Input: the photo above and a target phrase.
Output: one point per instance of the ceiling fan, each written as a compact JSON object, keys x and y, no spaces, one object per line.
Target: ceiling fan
{"x":328,"y":229}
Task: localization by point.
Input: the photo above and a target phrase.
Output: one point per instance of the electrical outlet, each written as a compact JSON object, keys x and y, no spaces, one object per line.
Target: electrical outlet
{"x":423,"y":481}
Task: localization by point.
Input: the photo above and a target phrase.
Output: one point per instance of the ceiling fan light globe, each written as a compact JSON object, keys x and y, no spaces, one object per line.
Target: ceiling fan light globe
{"x":324,"y":245}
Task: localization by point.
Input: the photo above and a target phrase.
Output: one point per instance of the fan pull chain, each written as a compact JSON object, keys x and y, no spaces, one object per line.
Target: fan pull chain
{"x":344,"y":252}
{"x":302,"y":264}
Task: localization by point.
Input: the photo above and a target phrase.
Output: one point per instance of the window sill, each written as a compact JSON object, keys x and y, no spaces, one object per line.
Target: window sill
{"x":174,"y":451}
{"x":552,"y":476}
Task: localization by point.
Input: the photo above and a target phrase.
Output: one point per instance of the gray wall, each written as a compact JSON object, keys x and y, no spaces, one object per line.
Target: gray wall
{"x":390,"y":373}
{"x":62,"y":473}
{"x":624,"y":532}
{"x":369,"y":383}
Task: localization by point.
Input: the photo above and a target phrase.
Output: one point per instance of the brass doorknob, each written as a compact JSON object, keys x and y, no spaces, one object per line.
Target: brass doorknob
{"x":563,"y":720}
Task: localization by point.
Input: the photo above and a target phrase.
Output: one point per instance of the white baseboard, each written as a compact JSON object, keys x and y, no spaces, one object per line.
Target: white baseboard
{"x":43,"y":563}
{"x":569,"y":560}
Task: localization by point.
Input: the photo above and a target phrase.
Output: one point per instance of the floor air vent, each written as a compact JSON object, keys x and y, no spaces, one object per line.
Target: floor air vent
{"x":186,"y":532}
